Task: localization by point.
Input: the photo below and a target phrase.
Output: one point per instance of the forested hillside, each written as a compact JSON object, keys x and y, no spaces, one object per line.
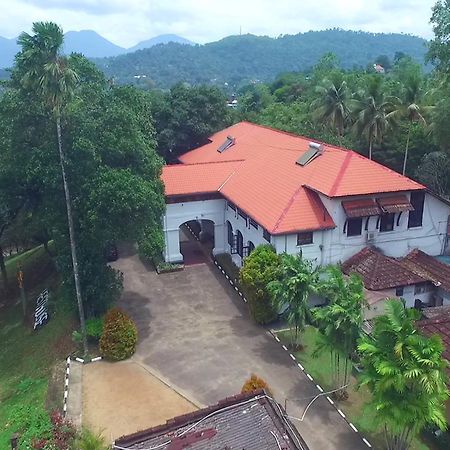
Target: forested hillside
{"x":239,"y":59}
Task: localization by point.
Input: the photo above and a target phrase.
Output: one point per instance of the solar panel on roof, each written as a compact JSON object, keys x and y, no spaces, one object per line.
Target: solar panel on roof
{"x":313,"y":152}
{"x":229,"y":141}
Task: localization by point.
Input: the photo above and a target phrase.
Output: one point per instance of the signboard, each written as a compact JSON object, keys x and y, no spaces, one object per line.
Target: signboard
{"x":41,"y":315}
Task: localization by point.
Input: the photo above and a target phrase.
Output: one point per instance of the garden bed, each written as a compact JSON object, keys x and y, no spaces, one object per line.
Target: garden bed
{"x":164,"y":267}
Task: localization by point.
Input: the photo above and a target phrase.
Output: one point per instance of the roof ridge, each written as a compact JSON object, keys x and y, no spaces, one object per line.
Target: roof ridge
{"x":287,"y":207}
{"x":340,"y":174}
{"x":204,"y":163}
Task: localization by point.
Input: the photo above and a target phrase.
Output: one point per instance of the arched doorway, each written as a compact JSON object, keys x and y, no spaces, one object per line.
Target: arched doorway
{"x":196,"y":239}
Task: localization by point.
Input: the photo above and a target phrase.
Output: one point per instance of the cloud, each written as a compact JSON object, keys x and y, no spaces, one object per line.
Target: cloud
{"x":130,"y":21}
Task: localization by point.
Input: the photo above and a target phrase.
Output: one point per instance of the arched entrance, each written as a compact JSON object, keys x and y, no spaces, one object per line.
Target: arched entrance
{"x":196,"y":239}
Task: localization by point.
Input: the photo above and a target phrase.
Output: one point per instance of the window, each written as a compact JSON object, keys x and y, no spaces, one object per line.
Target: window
{"x":266,"y":235}
{"x":354,"y":226}
{"x":387,"y":222}
{"x":399,"y":292}
{"x":305,"y":238}
{"x":253,"y":223}
{"x":239,"y":243}
{"x":230,"y":233}
{"x":415,"y":217}
{"x":421,"y":288}
{"x":251,"y":247}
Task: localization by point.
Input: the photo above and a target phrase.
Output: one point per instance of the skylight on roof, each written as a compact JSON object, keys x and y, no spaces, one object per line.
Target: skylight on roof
{"x":313,"y":152}
{"x":229,"y":141}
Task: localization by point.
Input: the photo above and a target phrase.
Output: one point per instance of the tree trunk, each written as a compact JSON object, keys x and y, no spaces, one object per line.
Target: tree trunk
{"x":405,"y":159}
{"x":370,"y":147}
{"x":71,"y":237}
{"x":3,"y":269}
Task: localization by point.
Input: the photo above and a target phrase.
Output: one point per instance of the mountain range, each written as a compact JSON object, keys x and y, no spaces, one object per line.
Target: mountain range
{"x":238,"y":60}
{"x":90,"y":43}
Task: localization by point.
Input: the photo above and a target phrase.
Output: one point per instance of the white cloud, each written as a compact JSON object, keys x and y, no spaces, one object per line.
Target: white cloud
{"x":127,"y":22}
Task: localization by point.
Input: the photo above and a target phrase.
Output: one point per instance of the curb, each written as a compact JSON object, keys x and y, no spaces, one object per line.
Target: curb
{"x":320,"y":389}
{"x":87,"y":361}
{"x":66,"y":386}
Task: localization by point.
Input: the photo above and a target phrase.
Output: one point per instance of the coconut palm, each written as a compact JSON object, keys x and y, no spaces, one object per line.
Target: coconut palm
{"x":374,"y":112}
{"x":340,"y":322}
{"x":410,"y":107}
{"x":331,"y":106}
{"x":298,"y":280}
{"x":45,"y":71}
{"x":406,"y":375}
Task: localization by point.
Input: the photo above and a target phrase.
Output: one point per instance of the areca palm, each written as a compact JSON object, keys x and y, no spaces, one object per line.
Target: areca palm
{"x":45,"y":71}
{"x":406,"y":375}
{"x":331,"y":106}
{"x":298,"y":280}
{"x":374,"y":112}
{"x":340,"y":321}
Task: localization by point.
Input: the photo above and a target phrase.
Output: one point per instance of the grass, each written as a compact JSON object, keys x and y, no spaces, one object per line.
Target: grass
{"x":320,"y":368}
{"x":27,"y":358}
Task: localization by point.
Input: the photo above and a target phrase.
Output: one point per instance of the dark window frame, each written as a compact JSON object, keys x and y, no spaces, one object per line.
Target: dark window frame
{"x":305,"y":238}
{"x":253,"y":223}
{"x":415,"y":218}
{"x":354,"y":226}
{"x":400,"y":291}
{"x":387,"y":222}
{"x":239,"y":243}
{"x":266,"y":235}
{"x":230,"y":233}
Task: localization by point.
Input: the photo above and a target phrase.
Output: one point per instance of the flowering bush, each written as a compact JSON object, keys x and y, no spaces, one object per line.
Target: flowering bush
{"x":254,"y":383}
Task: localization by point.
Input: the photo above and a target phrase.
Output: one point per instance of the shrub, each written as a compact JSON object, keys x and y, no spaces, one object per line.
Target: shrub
{"x":89,"y":440}
{"x":260,"y":268}
{"x":119,"y":337}
{"x":94,"y":328}
{"x":255,"y":383}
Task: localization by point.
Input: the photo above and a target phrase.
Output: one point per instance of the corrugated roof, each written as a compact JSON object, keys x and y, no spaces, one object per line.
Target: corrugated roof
{"x":268,"y":184}
{"x":245,"y":421}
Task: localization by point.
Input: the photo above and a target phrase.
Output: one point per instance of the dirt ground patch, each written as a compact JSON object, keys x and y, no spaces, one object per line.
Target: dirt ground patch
{"x":122,"y":398}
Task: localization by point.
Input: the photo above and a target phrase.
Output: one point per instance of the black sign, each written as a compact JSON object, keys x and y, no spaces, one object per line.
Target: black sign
{"x":41,"y":315}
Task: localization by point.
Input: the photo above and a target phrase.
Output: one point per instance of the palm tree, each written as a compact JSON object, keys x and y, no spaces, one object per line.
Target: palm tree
{"x":374,"y":112}
{"x":331,"y":106}
{"x":46,"y":72}
{"x":406,"y":375}
{"x":409,"y":107}
{"x":298,"y":280}
{"x":340,"y":322}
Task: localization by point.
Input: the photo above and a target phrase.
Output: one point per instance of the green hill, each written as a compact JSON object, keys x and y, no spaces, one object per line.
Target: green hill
{"x":241,"y":59}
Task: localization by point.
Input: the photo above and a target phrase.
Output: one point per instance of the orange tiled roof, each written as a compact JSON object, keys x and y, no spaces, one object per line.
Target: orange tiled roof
{"x":263,"y":179}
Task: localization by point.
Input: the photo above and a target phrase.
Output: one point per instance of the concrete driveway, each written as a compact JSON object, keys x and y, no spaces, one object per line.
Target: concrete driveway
{"x":195,"y":333}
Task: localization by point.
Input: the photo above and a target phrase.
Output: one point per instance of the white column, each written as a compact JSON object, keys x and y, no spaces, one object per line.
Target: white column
{"x":172,"y":250}
{"x":219,"y":239}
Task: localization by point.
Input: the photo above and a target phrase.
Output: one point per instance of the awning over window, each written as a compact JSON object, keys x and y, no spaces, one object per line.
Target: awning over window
{"x":361,"y":208}
{"x":395,"y":204}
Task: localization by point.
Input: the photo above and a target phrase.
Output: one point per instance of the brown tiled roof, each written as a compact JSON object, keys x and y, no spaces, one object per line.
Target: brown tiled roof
{"x":395,"y":204}
{"x":361,"y":207}
{"x":245,"y":421}
{"x":429,"y":268}
{"x":379,"y":271}
{"x":437,"y":321}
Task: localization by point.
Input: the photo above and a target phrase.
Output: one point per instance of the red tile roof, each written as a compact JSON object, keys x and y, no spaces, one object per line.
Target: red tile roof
{"x":379,"y":271}
{"x":428,"y":267}
{"x":268,"y":184}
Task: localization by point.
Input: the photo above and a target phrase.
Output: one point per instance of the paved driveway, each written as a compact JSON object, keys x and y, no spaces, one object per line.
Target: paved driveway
{"x":194,"y":331}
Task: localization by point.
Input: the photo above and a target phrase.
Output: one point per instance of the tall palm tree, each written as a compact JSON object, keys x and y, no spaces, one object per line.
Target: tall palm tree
{"x":46,"y":72}
{"x":409,"y":107}
{"x":406,"y":375}
{"x":331,"y":106}
{"x":340,"y":322}
{"x":374,"y":112}
{"x":298,"y":280}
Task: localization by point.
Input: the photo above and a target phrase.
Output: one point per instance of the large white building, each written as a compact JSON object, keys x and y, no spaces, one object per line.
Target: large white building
{"x":253,"y":185}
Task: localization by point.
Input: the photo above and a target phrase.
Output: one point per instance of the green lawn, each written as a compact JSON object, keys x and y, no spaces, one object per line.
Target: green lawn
{"x":27,"y":358}
{"x":320,"y":368}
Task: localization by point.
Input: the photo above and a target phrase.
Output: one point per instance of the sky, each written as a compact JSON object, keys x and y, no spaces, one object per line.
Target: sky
{"x":126,"y":22}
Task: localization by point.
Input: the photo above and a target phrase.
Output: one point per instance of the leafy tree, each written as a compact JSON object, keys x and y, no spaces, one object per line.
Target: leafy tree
{"x":186,"y":117}
{"x":406,"y":375}
{"x":297,"y":281}
{"x":439,"y":49}
{"x":340,"y":322}
{"x":259,"y":269}
{"x":46,"y":72}
{"x":374,"y":112}
{"x":433,"y":171}
{"x":331,"y":107}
